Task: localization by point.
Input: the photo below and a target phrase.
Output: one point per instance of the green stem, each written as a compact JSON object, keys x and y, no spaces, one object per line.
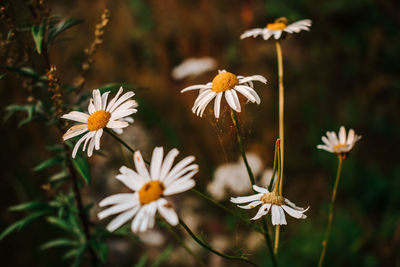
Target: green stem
{"x":243,"y":219}
{"x":269,"y":242}
{"x":208,"y":247}
{"x":182,"y":243}
{"x":241,"y":147}
{"x":122,"y":142}
{"x":276,"y":155}
{"x":330,"y":218}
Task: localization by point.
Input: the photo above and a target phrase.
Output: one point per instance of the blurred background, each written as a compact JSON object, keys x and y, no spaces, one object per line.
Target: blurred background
{"x":345,"y":71}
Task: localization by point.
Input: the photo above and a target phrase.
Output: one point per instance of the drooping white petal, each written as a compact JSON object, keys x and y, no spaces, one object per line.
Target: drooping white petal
{"x":262,"y":211}
{"x":194,"y":87}
{"x":115,"y":209}
{"x":75,"y":131}
{"x":294,"y":213}
{"x":97,"y":137}
{"x":166,"y":210}
{"x":260,"y":189}
{"x":231,"y":101}
{"x":217,"y":105}
{"x":118,"y":198}
{"x":246,"y":199}
{"x":252,"y":32}
{"x":245,"y":93}
{"x":251,"y":204}
{"x":253,"y":78}
{"x":117,"y":124}
{"x":236,"y":99}
{"x":121,"y":219}
{"x":276,"y":215}
{"x":76,"y":147}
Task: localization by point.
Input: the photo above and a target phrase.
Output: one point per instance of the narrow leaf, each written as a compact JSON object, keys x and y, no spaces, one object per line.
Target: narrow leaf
{"x":60,"y":27}
{"x":82,"y":166}
{"x":33,"y":205}
{"x":22,"y":223}
{"x":59,"y":243}
{"x":48,"y":163}
{"x":37,"y":34}
{"x":141,"y":262}
{"x":163,"y":256}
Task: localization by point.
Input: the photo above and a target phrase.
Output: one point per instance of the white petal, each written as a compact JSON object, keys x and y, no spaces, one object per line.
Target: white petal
{"x":88,"y":138}
{"x":91,"y":107}
{"x":252,"y":32}
{"x":294,"y":213}
{"x":76,"y":116}
{"x":282,"y":216}
{"x":117,"y":124}
{"x":245,"y":199}
{"x":114,"y":99}
{"x":236,"y":99}
{"x":342,"y":135}
{"x":275,"y":215}
{"x":115,"y":209}
{"x":97,"y":99}
{"x":277,"y":34}
{"x":166,"y":210}
{"x":122,"y":113}
{"x":140,"y":167}
{"x":127,"y":105}
{"x":179,"y":167}
{"x":90,"y":147}
{"x":217,"y":105}
{"x":75,"y":131}
{"x":156,"y":161}
{"x":182,"y":179}
{"x":194,"y":87}
{"x":171,"y":190}
{"x":260,"y":189}
{"x":122,"y":99}
{"x":253,"y":93}
{"x":350,"y":137}
{"x":253,"y":78}
{"x":167,"y":164}
{"x":231,"y":101}
{"x":76,"y":147}
{"x":251,"y":205}
{"x":262,"y":211}
{"x":121,"y":219}
{"x":138,"y":220}
{"x":119,"y":198}
{"x":267,"y":34}
{"x":104,"y":100}
{"x":245,"y":93}
{"x":179,"y":175}
{"x":97,"y":137}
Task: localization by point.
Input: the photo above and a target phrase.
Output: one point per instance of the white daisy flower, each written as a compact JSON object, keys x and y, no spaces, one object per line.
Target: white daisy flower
{"x":192,"y":67}
{"x":113,"y":116}
{"x":270,"y":201}
{"x":149,"y":190}
{"x":342,"y":145}
{"x":228,"y":84}
{"x":277,"y":28}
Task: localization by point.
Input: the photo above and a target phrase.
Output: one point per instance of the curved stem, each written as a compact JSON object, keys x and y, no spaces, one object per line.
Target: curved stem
{"x":281,"y":129}
{"x":330,"y":218}
{"x":208,"y":247}
{"x":269,"y":242}
{"x":243,"y":219}
{"x":241,"y":146}
{"x":122,"y":142}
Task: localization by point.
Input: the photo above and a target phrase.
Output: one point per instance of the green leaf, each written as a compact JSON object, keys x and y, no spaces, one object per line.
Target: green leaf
{"x":58,"y":176}
{"x":60,"y":27}
{"x":82,"y":166}
{"x":2,"y":75}
{"x":77,"y":252}
{"x":48,"y":163}
{"x":60,"y":223}
{"x":37,"y":34}
{"x":59,"y":243}
{"x":141,"y":262}
{"x":24,"y":71}
{"x":33,"y":205}
{"x":100,"y":248}
{"x":163,"y":256}
{"x":22,"y":223}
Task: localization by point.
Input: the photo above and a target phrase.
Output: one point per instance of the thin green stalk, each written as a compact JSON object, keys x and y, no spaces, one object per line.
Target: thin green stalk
{"x":281,"y":128}
{"x":182,"y":243}
{"x":330,"y":218}
{"x":122,"y":142}
{"x":245,"y":220}
{"x":241,"y":147}
{"x":269,"y":242}
{"x":208,"y":247}
{"x":276,"y":154}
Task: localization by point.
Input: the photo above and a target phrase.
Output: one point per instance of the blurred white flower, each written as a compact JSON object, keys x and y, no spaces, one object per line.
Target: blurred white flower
{"x":192,"y":67}
{"x":152,"y":238}
{"x":113,"y":116}
{"x":149,"y":190}
{"x":270,"y":201}
{"x":277,"y":28}
{"x":342,"y":145}
{"x":228,"y":84}
{"x":233,"y":177}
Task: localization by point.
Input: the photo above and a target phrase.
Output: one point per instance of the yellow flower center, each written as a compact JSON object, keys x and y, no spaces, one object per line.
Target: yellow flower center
{"x":98,"y":120}
{"x":151,"y":191}
{"x":273,"y":199}
{"x":224,"y":81}
{"x":278,"y":25}
{"x":338,"y":146}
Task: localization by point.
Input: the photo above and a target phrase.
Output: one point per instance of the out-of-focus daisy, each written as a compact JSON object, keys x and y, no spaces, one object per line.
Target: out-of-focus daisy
{"x":228,"y":84}
{"x":113,"y":116}
{"x":270,"y":201}
{"x":149,"y":190}
{"x":342,"y":145}
{"x":192,"y":67}
{"x":277,"y":28}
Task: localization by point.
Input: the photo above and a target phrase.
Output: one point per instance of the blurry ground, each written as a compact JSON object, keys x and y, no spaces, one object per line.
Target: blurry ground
{"x":344,"y":72}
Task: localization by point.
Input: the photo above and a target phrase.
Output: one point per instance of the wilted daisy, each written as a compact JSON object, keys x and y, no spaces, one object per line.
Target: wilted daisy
{"x":228,"y":84}
{"x":193,"y":67}
{"x":113,"y":116}
{"x":342,"y":145}
{"x":277,"y":28}
{"x":149,"y":190}
{"x":270,"y":201}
